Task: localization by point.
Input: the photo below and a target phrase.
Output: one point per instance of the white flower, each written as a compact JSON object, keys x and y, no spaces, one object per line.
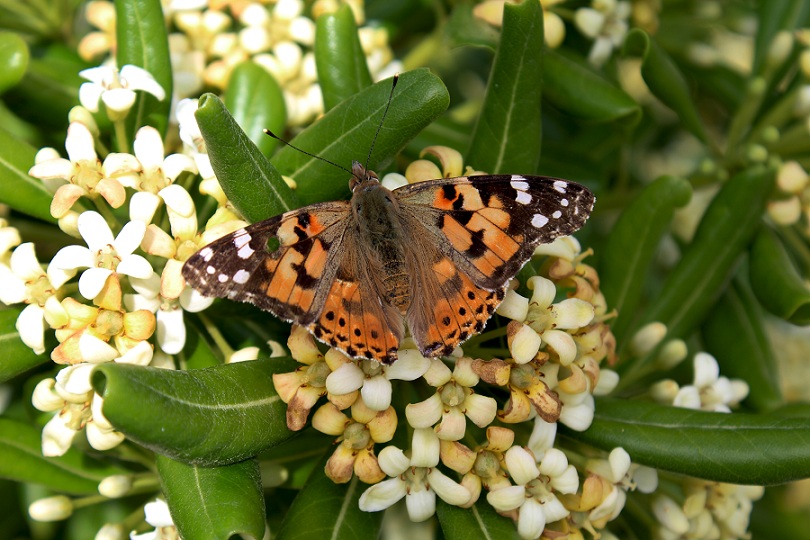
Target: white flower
{"x":23,"y":280}
{"x":374,"y":379}
{"x":171,"y":328}
{"x":157,"y":170}
{"x":708,"y":391}
{"x":103,"y":255}
{"x":454,"y":398}
{"x":116,"y":89}
{"x":416,"y":478}
{"x":606,"y":24}
{"x":190,"y":134}
{"x":157,"y":515}
{"x":534,"y":496}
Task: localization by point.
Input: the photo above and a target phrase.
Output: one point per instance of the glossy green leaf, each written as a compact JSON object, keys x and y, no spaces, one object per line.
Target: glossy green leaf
{"x":256,"y":101}
{"x":775,"y":16}
{"x":212,"y":416}
{"x":464,"y":28}
{"x":508,"y":134}
{"x":14,"y":57}
{"x":480,"y":521}
{"x":734,"y":333}
{"x":725,"y":447}
{"x":141,"y":40}
{"x":345,"y":133}
{"x":324,"y":509}
{"x":17,"y":356}
{"x":49,"y":89}
{"x":21,"y":191}
{"x":573,"y":87}
{"x":249,"y":180}
{"x":665,"y":80}
{"x":214,"y":503}
{"x":776,"y":282}
{"x":725,"y":231}
{"x":21,"y":460}
{"x":632,"y":245}
{"x":339,"y":57}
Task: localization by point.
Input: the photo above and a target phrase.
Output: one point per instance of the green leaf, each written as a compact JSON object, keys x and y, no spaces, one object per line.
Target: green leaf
{"x":464,"y":28}
{"x":345,"y":133}
{"x":665,"y":80}
{"x":21,"y":191}
{"x":480,"y":521}
{"x":724,"y":447}
{"x":141,"y":40}
{"x":573,"y":87}
{"x":632,"y":245}
{"x":324,"y":509}
{"x":14,"y":57}
{"x":339,"y":57}
{"x":775,"y":16}
{"x":214,"y":503}
{"x":725,"y":231}
{"x":212,"y":416}
{"x":508,"y":134}
{"x":734,"y":333}
{"x":17,"y":356}
{"x":256,"y":102}
{"x":21,"y":460}
{"x":249,"y":180}
{"x":776,"y":282}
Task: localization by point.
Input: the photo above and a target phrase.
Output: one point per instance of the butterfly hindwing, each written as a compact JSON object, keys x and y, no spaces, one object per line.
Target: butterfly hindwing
{"x":489,"y":225}
{"x":290,"y":279}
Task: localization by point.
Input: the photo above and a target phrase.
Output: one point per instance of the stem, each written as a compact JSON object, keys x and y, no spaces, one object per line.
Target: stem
{"x":121,"y":136}
{"x":216,"y":336}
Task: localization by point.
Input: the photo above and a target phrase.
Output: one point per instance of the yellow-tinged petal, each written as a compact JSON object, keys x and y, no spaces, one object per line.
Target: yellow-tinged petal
{"x":457,"y":456}
{"x":64,"y":198}
{"x":287,"y":384}
{"x":172,"y":282}
{"x":340,"y":465}
{"x":576,"y":383}
{"x":139,"y":325}
{"x":302,"y":346}
{"x":517,"y":408}
{"x":422,"y":170}
{"x":328,"y":419}
{"x":367,"y":468}
{"x":451,"y":160}
{"x":112,"y":191}
{"x":383,"y":425}
{"x":546,"y":402}
{"x":156,"y":241}
{"x":299,"y":406}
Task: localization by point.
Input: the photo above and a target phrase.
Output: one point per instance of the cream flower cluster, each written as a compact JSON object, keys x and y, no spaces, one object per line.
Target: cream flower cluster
{"x":128,"y":303}
{"x":208,"y":41}
{"x":555,"y":347}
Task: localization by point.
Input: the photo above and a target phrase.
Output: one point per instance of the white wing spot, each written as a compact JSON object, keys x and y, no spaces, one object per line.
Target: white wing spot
{"x":206,"y":253}
{"x":556,"y":215}
{"x":245,"y":252}
{"x":564,"y":202}
{"x":539,"y":221}
{"x":240,"y":238}
{"x":241,"y":276}
{"x":523,"y":197}
{"x":210,"y":269}
{"x":519,"y":183}
{"x":560,"y":186}
{"x":222,"y":278}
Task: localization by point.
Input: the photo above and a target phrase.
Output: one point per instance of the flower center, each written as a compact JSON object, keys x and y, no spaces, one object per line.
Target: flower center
{"x":416,"y":478}
{"x":107,"y":257}
{"x":453,"y":394}
{"x":185,"y":249}
{"x":522,"y":376}
{"x":371,"y":368}
{"x":39,"y":290}
{"x":487,"y":464}
{"x":317,"y":373}
{"x":88,"y":175}
{"x":538,"y":489}
{"x":357,"y":436}
{"x":109,"y":323}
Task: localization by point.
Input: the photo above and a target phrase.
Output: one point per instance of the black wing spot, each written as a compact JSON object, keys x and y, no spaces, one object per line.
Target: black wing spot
{"x":462,"y":311}
{"x":357,"y":332}
{"x":478,"y":247}
{"x":449,"y":192}
{"x":375,"y":335}
{"x":351,"y":351}
{"x":446,"y":321}
{"x":471,"y":295}
{"x":341,"y":322}
{"x":330,"y":315}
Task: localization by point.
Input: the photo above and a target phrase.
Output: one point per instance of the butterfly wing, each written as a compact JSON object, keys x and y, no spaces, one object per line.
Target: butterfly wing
{"x":470,"y":236}
{"x":489,"y":225}
{"x":293,"y":280}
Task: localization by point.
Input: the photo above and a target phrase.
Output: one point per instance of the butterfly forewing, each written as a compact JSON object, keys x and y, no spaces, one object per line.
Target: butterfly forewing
{"x":489,"y":225}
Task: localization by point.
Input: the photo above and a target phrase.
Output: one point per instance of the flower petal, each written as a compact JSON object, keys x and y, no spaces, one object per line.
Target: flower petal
{"x":94,"y":350}
{"x":531,"y":520}
{"x":171,"y":330}
{"x":138,"y":78}
{"x":129,"y":238}
{"x":13,"y":290}
{"x":376,"y":393}
{"x":453,"y":425}
{"x":79,"y":143}
{"x":410,"y":365}
{"x":139,"y":355}
{"x":95,"y":231}
{"x":393,"y":461}
{"x":92,"y":281}
{"x":521,"y":465}
{"x":421,"y":505}
{"x":24,"y":262}
{"x":425,"y":413}
{"x":70,"y":258}
{"x":507,"y":498}
{"x":448,"y":490}
{"x":148,"y":147}
{"x":31,"y":326}
{"x":480,"y":409}
{"x":345,"y":379}
{"x":381,"y":496}
{"x":425,"y":448}
{"x":135,"y":266}
{"x":193,"y":302}
{"x":56,"y":437}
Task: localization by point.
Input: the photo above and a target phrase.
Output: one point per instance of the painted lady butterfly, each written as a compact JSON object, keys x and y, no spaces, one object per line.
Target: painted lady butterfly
{"x":438,"y":254}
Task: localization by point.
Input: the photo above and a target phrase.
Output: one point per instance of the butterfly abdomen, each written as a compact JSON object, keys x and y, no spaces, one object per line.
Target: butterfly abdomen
{"x":380,"y":227}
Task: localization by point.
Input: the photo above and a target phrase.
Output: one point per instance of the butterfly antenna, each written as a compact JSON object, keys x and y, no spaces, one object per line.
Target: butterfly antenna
{"x":382,"y":120}
{"x":276,"y":137}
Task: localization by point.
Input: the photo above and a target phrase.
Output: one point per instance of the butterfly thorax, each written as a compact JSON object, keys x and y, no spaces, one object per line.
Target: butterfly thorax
{"x":380,"y":229}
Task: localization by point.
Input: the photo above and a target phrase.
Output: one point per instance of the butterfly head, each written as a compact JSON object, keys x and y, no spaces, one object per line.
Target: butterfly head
{"x":362,"y":176}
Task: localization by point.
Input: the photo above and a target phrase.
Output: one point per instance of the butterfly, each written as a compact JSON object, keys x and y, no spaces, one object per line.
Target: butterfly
{"x":435,"y":255}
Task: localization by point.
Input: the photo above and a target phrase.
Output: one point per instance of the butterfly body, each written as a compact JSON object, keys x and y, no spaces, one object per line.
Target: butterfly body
{"x":436,"y":255}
